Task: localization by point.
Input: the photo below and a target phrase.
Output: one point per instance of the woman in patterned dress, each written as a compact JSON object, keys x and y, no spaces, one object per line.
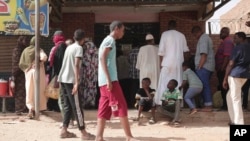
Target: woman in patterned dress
{"x":88,"y":76}
{"x":18,"y":74}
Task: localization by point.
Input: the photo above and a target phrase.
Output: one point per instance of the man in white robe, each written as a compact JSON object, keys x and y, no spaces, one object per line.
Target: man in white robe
{"x":148,"y":62}
{"x":172,"y":46}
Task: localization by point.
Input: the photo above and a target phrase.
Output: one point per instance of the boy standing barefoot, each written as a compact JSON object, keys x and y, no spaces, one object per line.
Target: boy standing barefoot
{"x":112,"y":99}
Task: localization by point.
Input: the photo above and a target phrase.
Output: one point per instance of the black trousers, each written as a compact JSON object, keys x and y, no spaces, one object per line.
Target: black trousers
{"x":125,"y":85}
{"x":72,"y":106}
{"x":220,"y":76}
{"x":135,"y":85}
{"x":245,"y":89}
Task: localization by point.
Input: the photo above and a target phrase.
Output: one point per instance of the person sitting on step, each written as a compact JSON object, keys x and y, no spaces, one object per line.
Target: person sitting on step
{"x":144,"y":98}
{"x":171,"y":102}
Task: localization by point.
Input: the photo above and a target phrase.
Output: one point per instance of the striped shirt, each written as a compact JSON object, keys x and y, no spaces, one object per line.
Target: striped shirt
{"x":224,"y":50}
{"x":132,"y":59}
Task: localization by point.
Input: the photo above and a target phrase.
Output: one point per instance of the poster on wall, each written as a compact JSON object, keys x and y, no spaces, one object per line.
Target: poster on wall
{"x":18,"y":17}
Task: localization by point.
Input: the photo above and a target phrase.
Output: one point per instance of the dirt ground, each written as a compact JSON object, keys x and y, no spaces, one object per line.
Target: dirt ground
{"x":18,"y":128}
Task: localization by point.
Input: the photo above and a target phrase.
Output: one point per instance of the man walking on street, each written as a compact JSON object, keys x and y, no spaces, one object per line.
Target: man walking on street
{"x":112,"y":99}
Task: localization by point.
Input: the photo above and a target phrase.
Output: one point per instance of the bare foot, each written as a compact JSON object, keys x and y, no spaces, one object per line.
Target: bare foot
{"x":99,"y":139}
{"x":141,"y":124}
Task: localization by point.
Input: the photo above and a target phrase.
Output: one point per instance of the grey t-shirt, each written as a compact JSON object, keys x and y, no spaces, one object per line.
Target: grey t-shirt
{"x":67,"y":74}
{"x":192,"y":79}
{"x":205,"y":45}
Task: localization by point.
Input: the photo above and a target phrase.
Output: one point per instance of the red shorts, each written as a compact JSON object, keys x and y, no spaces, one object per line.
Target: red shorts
{"x":109,"y":98}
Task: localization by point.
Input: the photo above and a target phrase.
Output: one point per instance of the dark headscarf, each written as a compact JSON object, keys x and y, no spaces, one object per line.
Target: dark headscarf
{"x":22,"y":42}
{"x":58,"y":57}
{"x":28,"y":56}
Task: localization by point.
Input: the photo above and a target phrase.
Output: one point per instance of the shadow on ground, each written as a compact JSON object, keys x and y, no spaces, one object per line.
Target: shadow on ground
{"x":147,"y":139}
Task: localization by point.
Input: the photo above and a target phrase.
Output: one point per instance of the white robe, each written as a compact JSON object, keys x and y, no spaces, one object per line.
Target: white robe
{"x":148,"y":62}
{"x":30,"y":85}
{"x":172,"y":46}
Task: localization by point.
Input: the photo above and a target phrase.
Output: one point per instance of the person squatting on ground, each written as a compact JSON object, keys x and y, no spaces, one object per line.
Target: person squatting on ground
{"x":18,"y":74}
{"x":145,"y":100}
{"x":112,"y":99}
{"x":171,"y":102}
{"x":237,"y":73}
{"x":69,"y":79}
{"x":194,"y":84}
{"x":27,"y":65}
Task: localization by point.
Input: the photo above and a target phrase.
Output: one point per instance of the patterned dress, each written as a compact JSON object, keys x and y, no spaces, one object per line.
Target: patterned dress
{"x":88,"y":76}
{"x":19,"y":78}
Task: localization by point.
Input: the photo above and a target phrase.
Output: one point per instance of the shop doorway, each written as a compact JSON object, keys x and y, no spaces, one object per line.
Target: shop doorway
{"x":134,"y":31}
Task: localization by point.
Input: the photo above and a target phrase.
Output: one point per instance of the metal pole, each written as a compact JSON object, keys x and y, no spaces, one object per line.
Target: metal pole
{"x":37,"y":59}
{"x":209,"y":28}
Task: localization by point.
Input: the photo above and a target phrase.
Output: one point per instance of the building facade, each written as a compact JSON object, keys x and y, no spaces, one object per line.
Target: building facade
{"x":139,"y":16}
{"x":236,"y":18}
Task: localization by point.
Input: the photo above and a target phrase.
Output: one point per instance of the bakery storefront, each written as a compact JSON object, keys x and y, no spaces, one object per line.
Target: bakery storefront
{"x":18,"y":18}
{"x":140,"y":17}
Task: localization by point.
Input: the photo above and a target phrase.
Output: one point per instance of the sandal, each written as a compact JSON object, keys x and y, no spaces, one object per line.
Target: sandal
{"x":31,"y":114}
{"x":67,"y":135}
{"x":88,"y":137}
{"x":176,"y":124}
{"x":152,"y":121}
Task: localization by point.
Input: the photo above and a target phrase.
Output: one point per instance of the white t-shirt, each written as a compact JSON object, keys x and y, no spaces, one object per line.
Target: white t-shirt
{"x":66,"y":74}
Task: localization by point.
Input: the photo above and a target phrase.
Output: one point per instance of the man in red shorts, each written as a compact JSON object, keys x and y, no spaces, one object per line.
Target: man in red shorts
{"x":112,"y":99}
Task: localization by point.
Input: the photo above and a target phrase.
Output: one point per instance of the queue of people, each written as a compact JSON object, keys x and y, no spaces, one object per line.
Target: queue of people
{"x":79,"y":67}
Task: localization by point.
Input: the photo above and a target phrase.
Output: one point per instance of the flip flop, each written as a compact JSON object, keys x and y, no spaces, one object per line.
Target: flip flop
{"x":152,"y":121}
{"x":30,"y":115}
{"x":89,"y":137}
{"x":68,"y":135}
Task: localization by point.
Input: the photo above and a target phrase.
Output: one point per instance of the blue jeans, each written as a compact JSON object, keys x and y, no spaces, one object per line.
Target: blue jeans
{"x":205,"y":76}
{"x":189,"y":96}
